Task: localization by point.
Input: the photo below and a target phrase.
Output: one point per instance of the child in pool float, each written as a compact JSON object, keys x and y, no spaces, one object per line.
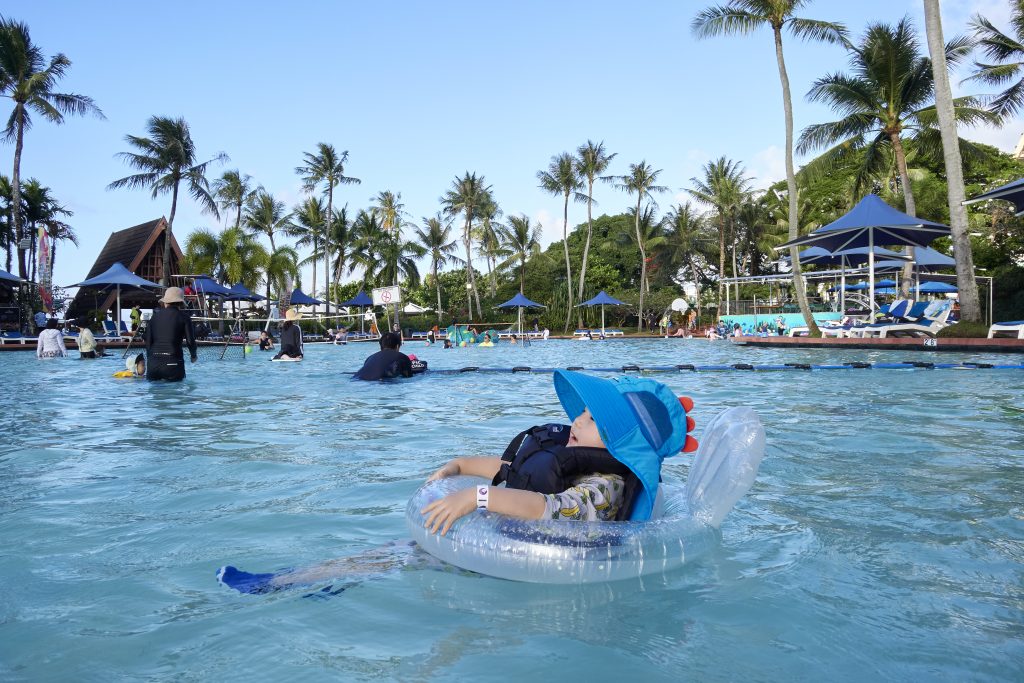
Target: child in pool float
{"x":134,"y":367}
{"x":605,"y":467}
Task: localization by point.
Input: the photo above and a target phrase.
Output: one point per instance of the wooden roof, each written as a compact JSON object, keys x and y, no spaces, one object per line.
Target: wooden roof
{"x":140,"y":250}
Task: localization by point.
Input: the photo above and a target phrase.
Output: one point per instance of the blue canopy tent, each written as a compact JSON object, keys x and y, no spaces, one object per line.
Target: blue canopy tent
{"x":1010,"y":192}
{"x":362,"y":300}
{"x":926,"y":260}
{"x":120,"y":277}
{"x":871,"y":222}
{"x":846,"y":259}
{"x":937,"y":288}
{"x":240,"y":292}
{"x":603,"y":299}
{"x":300,"y":298}
{"x":519,"y":301}
{"x":207,"y":286}
{"x":8,"y":277}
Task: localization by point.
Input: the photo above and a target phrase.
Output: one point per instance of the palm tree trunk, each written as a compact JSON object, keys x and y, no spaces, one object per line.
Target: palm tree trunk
{"x":469,"y":266}
{"x":314,"y":268}
{"x":165,"y":278}
{"x":586,"y":245}
{"x":32,"y":252}
{"x":16,"y":191}
{"x":721,"y":258}
{"x":794,"y":218}
{"x":437,"y":284}
{"x":522,"y":273}
{"x":907,"y":274}
{"x":643,"y":265}
{"x":327,"y":238}
{"x":696,"y":286}
{"x":238,"y":216}
{"x":970,"y":307}
{"x":568,"y":266}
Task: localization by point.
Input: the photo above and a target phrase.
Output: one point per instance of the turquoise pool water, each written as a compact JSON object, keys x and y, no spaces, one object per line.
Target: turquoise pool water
{"x":883,"y":540}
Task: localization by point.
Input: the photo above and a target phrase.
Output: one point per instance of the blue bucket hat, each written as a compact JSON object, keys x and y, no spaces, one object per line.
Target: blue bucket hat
{"x":641,"y":422}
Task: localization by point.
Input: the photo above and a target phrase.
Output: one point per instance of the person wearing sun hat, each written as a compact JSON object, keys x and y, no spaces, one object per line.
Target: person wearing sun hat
{"x":167,"y":328}
{"x":605,"y":467}
{"x":291,"y":336}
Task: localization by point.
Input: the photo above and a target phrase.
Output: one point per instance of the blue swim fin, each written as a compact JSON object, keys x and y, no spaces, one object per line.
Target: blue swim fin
{"x":244,"y":582}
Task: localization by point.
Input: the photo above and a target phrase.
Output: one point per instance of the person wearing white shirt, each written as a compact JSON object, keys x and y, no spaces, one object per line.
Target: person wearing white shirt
{"x":51,"y":342}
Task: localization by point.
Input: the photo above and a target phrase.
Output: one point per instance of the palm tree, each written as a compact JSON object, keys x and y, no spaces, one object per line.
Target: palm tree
{"x":522,"y":241}
{"x":30,"y":81}
{"x":7,"y":235}
{"x":887,"y":96}
{"x":723,"y":188}
{"x":435,"y":237}
{"x":744,"y":17}
{"x":490,"y":244}
{"x":390,"y":210}
{"x":343,"y":236}
{"x":233,"y":190}
{"x":40,"y":208}
{"x":265,"y":215}
{"x":1007,"y":51}
{"x":640,"y":181}
{"x":166,"y":159}
{"x":230,"y":256}
{"x":970,"y":307}
{"x":282,"y":269}
{"x":310,"y":227}
{"x":591,"y":161}
{"x":685,"y":235}
{"x":326,"y":167}
{"x":563,"y":178}
{"x":364,"y":252}
{"x":466,"y":196}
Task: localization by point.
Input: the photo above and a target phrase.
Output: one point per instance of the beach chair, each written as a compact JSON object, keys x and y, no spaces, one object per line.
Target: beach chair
{"x":109,"y":330}
{"x":928,"y":325}
{"x":1013,"y":327}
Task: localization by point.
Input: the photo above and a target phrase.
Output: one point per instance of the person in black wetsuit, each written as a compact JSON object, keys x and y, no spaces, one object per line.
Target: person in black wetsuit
{"x":164,"y":334}
{"x":291,"y":336}
{"x":388,"y":362}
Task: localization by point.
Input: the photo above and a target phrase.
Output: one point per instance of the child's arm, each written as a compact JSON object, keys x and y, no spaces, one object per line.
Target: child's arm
{"x":475,"y":466}
{"x":512,"y":502}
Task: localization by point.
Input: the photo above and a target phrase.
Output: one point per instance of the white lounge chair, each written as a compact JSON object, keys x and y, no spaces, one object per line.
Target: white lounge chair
{"x":1014,"y":327}
{"x":933,"y":320}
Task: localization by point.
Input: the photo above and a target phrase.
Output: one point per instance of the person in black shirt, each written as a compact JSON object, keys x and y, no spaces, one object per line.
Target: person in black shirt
{"x":266,"y":342}
{"x":164,"y":334}
{"x":291,"y":336}
{"x":388,"y":362}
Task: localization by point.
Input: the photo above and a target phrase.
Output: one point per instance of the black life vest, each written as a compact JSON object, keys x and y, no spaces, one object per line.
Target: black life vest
{"x":539,"y":460}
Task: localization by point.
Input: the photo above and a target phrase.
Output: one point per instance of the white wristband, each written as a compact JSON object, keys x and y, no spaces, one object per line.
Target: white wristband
{"x":482,"y":493}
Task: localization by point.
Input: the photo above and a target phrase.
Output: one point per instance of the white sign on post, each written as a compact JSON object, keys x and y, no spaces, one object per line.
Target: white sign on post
{"x":385,"y":296}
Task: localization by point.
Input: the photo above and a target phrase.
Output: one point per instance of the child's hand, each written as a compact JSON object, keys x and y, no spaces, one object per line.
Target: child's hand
{"x":444,"y":512}
{"x":450,"y":469}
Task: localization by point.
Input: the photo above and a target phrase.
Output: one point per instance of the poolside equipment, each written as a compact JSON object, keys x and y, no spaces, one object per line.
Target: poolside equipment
{"x":567,"y":552}
{"x":1010,"y":192}
{"x":117,"y":276}
{"x":603,"y":299}
{"x":871,"y":222}
{"x":519,"y":301}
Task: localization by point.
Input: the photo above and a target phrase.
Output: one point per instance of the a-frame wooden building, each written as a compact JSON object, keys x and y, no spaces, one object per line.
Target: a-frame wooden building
{"x":140,"y":249}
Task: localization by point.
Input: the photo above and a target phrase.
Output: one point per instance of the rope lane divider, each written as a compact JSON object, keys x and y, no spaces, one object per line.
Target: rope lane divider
{"x":735,"y":367}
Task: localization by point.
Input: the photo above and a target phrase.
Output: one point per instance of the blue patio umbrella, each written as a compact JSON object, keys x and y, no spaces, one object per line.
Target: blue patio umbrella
{"x":846,"y":258}
{"x":937,"y":288}
{"x":361,"y":299}
{"x":603,"y":299}
{"x":925,"y":259}
{"x":1011,"y":192}
{"x":117,"y":276}
{"x":519,"y":301}
{"x":207,"y":286}
{"x":300,"y":298}
{"x":10,"y":277}
{"x":871,"y":222}
{"x":240,"y":292}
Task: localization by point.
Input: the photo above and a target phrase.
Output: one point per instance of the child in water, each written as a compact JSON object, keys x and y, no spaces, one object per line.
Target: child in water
{"x":605,"y":467}
{"x":134,"y":367}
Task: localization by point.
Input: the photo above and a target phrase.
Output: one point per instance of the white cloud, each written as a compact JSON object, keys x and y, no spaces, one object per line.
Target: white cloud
{"x":551,"y":227}
{"x":767,"y":166}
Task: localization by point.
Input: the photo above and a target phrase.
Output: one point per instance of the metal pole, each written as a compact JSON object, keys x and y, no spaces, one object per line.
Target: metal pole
{"x":871,"y":274}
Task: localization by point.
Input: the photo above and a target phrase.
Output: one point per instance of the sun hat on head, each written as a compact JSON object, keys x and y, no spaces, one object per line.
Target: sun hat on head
{"x":640,"y":421}
{"x":292,"y":314}
{"x":173,"y":295}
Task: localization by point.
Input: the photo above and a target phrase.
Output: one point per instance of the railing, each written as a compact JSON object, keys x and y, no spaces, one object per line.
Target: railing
{"x":769,"y":307}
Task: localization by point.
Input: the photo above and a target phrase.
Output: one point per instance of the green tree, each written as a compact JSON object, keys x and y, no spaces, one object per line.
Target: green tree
{"x":30,"y":81}
{"x":490,"y":247}
{"x":686,"y":239}
{"x":592,"y":160}
{"x":233,"y":190}
{"x":1007,"y":54}
{"x":435,"y":237}
{"x":562,"y":178}
{"x":887,"y":96}
{"x":466,"y":196}
{"x":723,"y":188}
{"x":343,"y":236}
{"x":310,"y":227}
{"x":266,"y":216}
{"x":230,"y":256}
{"x":166,"y":159}
{"x":326,"y":167}
{"x":40,"y":208}
{"x":522,"y":241}
{"x":282,"y":270}
{"x":744,"y":17}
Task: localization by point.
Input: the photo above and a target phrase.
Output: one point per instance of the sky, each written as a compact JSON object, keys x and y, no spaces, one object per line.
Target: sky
{"x":422,"y":92}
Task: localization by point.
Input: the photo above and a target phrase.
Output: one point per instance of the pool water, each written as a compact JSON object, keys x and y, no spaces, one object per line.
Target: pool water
{"x":883,"y":539}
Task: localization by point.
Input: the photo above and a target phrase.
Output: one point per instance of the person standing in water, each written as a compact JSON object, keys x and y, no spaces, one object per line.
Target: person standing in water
{"x":291,"y":336}
{"x":168,"y":327}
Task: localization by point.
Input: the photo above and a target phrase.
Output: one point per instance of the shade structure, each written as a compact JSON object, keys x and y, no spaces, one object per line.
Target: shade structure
{"x":871,"y":222}
{"x":519,"y":301}
{"x":602,"y":299}
{"x":240,"y":292}
{"x":300,"y":298}
{"x":926,"y":259}
{"x":936,"y":288}
{"x":848,"y":257}
{"x":207,"y":286}
{"x":117,"y":277}
{"x":8,"y":277}
{"x":1011,"y":192}
{"x":360,"y":299}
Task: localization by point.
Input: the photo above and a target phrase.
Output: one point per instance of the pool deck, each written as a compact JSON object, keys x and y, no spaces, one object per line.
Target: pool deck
{"x":998,"y":345}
